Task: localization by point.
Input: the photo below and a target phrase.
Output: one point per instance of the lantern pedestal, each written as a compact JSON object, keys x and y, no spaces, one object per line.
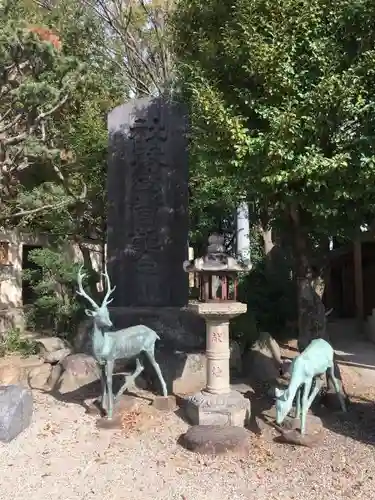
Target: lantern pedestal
{"x":217,"y":404}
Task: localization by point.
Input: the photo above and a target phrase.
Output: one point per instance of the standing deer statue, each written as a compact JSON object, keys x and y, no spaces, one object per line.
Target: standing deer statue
{"x":306,"y":370}
{"x":109,"y":346}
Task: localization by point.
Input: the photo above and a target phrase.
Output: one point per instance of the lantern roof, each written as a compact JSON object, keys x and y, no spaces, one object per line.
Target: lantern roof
{"x":216,"y":259}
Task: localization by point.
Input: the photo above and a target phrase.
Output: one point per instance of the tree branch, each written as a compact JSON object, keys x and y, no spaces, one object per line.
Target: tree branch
{"x":11,"y":141}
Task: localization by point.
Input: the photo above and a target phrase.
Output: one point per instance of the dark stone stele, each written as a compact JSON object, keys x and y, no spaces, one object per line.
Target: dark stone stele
{"x":16,"y":410}
{"x":147,"y":224}
{"x":215,"y":439}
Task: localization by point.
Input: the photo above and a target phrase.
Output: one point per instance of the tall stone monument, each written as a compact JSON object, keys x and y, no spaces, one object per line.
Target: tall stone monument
{"x":147,"y":223}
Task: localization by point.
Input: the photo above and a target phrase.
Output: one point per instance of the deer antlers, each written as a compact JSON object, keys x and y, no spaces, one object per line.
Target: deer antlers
{"x":83,"y":294}
{"x":109,"y":289}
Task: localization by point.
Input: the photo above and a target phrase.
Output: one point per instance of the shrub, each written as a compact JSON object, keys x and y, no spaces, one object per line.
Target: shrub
{"x":13,"y":341}
{"x":54,"y":283}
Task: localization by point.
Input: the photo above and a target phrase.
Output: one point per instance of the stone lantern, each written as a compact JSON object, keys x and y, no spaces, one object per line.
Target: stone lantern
{"x":217,"y":273}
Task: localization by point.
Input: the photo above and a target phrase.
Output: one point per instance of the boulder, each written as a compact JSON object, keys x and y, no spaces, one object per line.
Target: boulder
{"x":16,"y":409}
{"x":184,"y":373}
{"x":78,"y":370}
{"x":263,"y":361}
{"x":215,"y":439}
{"x":15,"y":369}
{"x":53,"y":349}
{"x":54,"y":376}
{"x":56,"y":356}
{"x":39,"y":375}
{"x":10,"y":374}
{"x":51,"y":344}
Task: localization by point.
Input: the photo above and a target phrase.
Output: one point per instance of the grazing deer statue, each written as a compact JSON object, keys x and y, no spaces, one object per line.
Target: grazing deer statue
{"x":109,"y":346}
{"x":305,"y":371}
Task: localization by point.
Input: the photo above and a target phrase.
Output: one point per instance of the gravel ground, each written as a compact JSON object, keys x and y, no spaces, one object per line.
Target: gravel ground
{"x":62,"y":456}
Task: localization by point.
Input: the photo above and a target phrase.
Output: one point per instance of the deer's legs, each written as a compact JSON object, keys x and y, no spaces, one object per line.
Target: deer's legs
{"x":337,"y":387}
{"x":151,"y":357}
{"x":314,"y":392}
{"x":104,"y":396}
{"x":109,"y":375}
{"x":298,"y":403}
{"x":129,"y":379}
{"x":306,"y":392}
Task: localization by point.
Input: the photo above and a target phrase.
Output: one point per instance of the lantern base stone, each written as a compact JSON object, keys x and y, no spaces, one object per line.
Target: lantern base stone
{"x":205,"y":408}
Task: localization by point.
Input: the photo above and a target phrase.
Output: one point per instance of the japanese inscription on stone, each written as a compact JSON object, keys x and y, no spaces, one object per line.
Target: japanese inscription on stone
{"x":148,"y":204}
{"x":217,"y":337}
{"x":216,"y":371}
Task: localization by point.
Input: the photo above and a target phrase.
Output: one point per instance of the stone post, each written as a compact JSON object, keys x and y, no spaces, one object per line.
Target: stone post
{"x":243,"y":232}
{"x":217,"y":404}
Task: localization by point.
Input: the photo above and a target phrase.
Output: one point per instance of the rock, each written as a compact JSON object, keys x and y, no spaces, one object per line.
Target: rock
{"x":78,"y":370}
{"x":192,"y":374}
{"x":53,"y":349}
{"x":167,"y":403}
{"x":215,"y":439}
{"x":16,"y":409}
{"x":54,"y":376}
{"x":51,"y":344}
{"x":15,"y":369}
{"x":295,"y":437}
{"x":10,"y":374}
{"x":184,"y":373}
{"x":314,"y":424}
{"x":38,"y":377}
{"x":56,"y":356}
{"x":263,"y":361}
{"x":235,"y":361}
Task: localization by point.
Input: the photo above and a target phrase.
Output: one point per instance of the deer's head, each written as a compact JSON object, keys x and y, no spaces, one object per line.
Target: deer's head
{"x":100,"y":314}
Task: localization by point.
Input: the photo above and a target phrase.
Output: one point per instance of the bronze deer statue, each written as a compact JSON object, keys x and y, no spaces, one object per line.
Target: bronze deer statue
{"x":109,"y":346}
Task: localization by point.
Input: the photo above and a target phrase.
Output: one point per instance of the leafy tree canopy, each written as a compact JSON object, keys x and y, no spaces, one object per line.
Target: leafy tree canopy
{"x":282,"y":100}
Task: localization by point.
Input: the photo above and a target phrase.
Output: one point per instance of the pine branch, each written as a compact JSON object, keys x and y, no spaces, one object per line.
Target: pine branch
{"x":11,"y":141}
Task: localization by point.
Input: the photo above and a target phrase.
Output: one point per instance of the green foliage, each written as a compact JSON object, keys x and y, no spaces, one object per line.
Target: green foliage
{"x":13,"y":342}
{"x":282,"y":103}
{"x":36,"y":82}
{"x":54,"y":282}
{"x":57,"y":184}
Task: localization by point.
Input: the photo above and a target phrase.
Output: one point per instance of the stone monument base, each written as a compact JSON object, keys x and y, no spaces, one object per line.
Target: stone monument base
{"x":177,"y":327}
{"x":230,"y":409}
{"x":215,"y":439}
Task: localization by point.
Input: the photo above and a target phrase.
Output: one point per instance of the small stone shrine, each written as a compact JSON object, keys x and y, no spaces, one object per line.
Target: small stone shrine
{"x":217,"y":272}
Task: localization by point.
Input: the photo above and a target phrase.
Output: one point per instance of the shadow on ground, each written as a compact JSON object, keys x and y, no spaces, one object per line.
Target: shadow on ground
{"x":357,"y":423}
{"x":91,"y":391}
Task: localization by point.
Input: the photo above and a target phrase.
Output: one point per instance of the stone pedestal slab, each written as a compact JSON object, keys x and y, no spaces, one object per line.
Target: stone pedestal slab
{"x":205,"y":408}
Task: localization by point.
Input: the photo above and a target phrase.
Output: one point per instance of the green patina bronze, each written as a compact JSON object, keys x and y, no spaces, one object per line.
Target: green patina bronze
{"x":305,"y":382}
{"x":109,"y":346}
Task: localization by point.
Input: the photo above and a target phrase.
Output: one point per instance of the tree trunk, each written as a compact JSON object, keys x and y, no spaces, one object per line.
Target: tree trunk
{"x":312,"y":323}
{"x":311,"y":311}
{"x":92,"y":275}
{"x":265,"y":230}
